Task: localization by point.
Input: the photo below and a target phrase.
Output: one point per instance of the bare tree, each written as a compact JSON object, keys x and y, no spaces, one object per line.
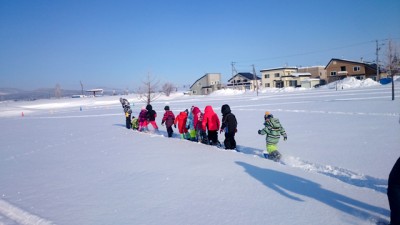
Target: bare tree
{"x":57,"y":91}
{"x":393,"y":63}
{"x":148,"y":92}
{"x":168,"y":88}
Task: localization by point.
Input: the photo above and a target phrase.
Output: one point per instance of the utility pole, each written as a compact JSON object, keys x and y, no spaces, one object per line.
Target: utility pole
{"x":255,"y":78}
{"x":377,"y":60}
{"x":234,"y":72}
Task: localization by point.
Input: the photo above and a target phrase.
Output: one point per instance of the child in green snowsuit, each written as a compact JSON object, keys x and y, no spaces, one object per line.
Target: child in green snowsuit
{"x":273,"y":129}
{"x":135,"y":123}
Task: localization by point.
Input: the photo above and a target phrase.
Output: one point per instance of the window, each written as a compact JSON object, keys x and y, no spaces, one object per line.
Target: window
{"x":277,"y":75}
{"x":342,"y":68}
{"x":333,"y":73}
{"x":266,"y":76}
{"x":267,"y":85}
{"x":356,"y":68}
{"x":292,"y":83}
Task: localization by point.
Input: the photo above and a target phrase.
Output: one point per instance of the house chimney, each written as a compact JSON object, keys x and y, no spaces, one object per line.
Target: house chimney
{"x":362,"y":59}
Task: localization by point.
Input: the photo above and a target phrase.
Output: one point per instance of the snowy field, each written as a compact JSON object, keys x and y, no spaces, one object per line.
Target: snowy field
{"x":72,"y":161}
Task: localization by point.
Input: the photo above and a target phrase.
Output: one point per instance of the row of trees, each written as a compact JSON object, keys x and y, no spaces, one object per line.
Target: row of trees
{"x":149,"y":90}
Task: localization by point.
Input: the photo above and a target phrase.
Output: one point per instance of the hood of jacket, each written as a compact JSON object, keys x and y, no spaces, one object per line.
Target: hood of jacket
{"x":225,"y":109}
{"x":208,"y":109}
{"x":149,"y":107}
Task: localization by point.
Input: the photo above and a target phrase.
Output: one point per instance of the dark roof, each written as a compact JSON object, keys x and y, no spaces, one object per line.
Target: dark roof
{"x":248,"y":76}
{"x":279,"y":68}
{"x":371,"y":66}
{"x":197,"y":80}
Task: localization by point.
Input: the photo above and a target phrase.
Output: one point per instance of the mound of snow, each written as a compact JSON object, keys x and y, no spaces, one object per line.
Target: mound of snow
{"x":226,"y":92}
{"x":351,"y":82}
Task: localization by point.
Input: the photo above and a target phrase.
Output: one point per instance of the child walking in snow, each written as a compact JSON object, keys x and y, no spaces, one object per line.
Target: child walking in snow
{"x":211,"y":124}
{"x":229,"y":125}
{"x":151,"y":117}
{"x":143,"y":120}
{"x":168,"y":119}
{"x":192,"y":122}
{"x":181,"y":120}
{"x":135,"y":123}
{"x":273,"y":129}
{"x":128,"y":114}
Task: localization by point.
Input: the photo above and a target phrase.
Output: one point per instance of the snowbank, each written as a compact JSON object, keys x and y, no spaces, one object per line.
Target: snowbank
{"x":351,"y":82}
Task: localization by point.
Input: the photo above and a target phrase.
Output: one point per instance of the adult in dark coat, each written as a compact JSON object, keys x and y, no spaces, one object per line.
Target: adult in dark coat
{"x":229,"y":126}
{"x":393,"y":193}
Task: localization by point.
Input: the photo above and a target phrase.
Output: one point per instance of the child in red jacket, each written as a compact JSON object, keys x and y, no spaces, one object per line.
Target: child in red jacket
{"x":168,"y":119}
{"x":181,"y":121}
{"x":211,"y":123}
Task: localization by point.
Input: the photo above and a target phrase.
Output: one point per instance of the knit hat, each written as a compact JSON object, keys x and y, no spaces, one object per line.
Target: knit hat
{"x":143,"y":107}
{"x":166,"y":107}
{"x":267,"y":115}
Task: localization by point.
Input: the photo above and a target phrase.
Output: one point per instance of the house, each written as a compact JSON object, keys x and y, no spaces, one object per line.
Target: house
{"x":310,"y":82}
{"x":273,"y":77}
{"x":338,"y":69}
{"x":206,"y":84}
{"x":295,"y":79}
{"x":316,"y":72}
{"x":244,"y":81}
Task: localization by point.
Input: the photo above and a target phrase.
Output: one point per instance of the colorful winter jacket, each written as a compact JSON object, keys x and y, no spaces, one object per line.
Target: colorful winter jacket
{"x":193,"y":118}
{"x":210,"y":119}
{"x":168,"y":118}
{"x":135,"y":123}
{"x":273,"y":129}
{"x":143,"y":116}
{"x":181,"y":121}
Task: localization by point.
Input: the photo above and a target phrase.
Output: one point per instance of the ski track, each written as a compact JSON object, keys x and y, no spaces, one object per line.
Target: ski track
{"x":12,"y":213}
{"x":341,"y":174}
{"x":338,"y":173}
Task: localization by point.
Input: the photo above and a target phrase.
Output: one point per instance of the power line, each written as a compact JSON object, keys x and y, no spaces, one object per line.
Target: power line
{"x":311,"y":52}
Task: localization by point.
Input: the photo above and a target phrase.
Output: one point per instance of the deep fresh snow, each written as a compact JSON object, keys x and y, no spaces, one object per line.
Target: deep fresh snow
{"x":61,"y":165}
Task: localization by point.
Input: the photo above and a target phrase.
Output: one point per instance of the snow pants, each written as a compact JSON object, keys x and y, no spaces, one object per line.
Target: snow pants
{"x":143,"y":126}
{"x":271,"y":148}
{"x":213,"y":137}
{"x":170,"y":131}
{"x":229,"y":141}
{"x":128,"y":122}
{"x":153,"y":123}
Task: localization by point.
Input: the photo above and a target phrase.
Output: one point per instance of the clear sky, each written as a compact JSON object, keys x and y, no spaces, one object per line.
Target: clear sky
{"x":116,"y":44}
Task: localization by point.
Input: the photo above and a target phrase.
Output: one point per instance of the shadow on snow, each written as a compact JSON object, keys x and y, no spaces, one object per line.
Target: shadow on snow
{"x":285,"y":184}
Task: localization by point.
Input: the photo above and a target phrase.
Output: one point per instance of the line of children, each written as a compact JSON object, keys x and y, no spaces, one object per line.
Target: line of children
{"x":203,"y":127}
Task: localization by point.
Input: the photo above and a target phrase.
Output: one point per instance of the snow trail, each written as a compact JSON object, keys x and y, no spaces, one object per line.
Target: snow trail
{"x":20,"y":216}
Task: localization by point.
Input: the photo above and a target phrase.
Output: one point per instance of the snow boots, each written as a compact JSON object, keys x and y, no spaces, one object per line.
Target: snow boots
{"x":275,"y":156}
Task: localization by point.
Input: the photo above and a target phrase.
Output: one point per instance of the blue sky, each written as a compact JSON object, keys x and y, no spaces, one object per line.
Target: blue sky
{"x":116,"y":44}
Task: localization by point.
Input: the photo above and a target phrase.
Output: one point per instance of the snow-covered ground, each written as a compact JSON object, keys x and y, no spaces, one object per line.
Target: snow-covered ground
{"x":71,"y":161}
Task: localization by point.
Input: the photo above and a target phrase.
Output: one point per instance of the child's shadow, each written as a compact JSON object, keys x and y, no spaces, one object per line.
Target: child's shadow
{"x":285,"y":184}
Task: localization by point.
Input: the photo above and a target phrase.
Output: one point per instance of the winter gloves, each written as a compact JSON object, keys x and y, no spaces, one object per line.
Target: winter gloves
{"x":285,"y":138}
{"x":259,"y":131}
